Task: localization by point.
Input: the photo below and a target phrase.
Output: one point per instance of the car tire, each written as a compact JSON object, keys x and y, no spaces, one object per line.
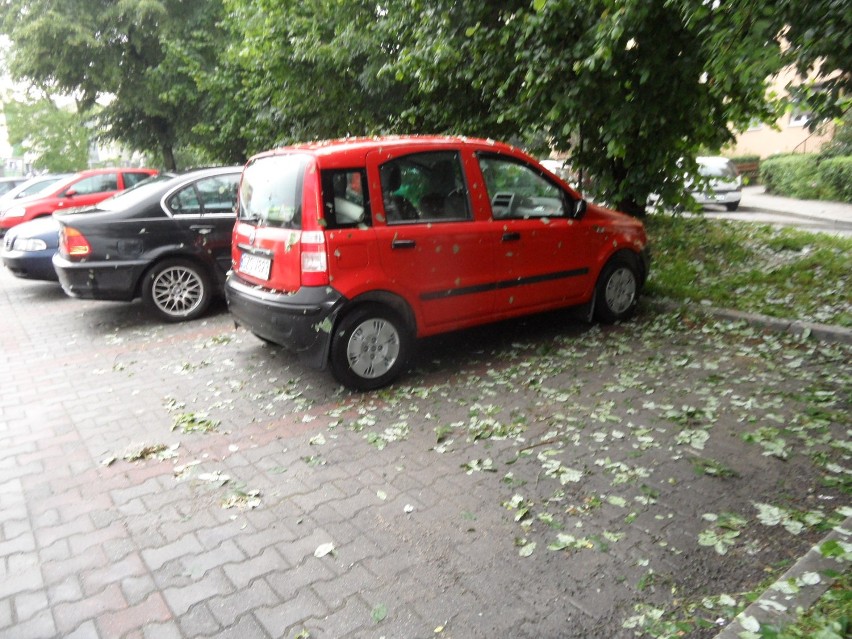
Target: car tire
{"x":370,"y":348}
{"x":177,"y":290}
{"x":617,"y":290}
{"x":732,"y":206}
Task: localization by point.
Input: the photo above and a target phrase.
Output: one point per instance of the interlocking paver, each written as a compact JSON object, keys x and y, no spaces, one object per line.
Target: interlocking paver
{"x":290,"y":614}
{"x":187,"y":545}
{"x":181,"y":599}
{"x":230,"y":608}
{"x":70,"y":615}
{"x":129,"y":549}
{"x":135,"y":617}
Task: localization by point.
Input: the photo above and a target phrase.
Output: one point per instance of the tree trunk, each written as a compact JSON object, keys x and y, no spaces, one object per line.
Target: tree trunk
{"x":169,"y":158}
{"x":631,"y":207}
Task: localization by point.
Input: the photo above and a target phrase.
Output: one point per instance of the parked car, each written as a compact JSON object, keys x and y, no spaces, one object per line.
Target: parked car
{"x":30,"y":187}
{"x":28,"y":249}
{"x":9,"y":183}
{"x":345,"y":252}
{"x":167,"y":241}
{"x":81,"y":189}
{"x":721,"y":183}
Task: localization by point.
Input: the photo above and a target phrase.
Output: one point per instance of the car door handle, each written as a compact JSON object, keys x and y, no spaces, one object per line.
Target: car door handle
{"x":202,"y":230}
{"x":403,"y":244}
{"x":511,"y":237}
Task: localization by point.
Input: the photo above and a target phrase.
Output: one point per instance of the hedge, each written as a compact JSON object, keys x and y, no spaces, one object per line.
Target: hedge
{"x":808,"y":176}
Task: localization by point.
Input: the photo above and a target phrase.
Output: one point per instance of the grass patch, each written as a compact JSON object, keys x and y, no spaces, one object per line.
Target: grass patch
{"x":829,"y":618}
{"x":783,"y":273}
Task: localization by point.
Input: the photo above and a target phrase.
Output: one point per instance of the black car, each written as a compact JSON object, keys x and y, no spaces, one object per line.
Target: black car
{"x":167,"y":241}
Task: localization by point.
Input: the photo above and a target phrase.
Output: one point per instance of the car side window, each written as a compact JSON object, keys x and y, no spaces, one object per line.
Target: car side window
{"x":517,"y":191}
{"x":185,"y":202}
{"x":218,"y":194}
{"x":346,"y":202}
{"x":425,"y":187}
{"x":96,"y":184}
{"x":211,"y":195}
{"x":132,"y":178}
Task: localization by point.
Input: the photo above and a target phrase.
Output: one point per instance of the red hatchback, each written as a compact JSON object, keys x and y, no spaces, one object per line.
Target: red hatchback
{"x":346,"y":252}
{"x":81,"y":189}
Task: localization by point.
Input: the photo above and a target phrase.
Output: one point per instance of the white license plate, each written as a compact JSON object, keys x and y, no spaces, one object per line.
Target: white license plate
{"x":255,"y":266}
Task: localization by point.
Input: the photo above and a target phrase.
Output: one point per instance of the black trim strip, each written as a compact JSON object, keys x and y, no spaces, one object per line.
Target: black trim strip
{"x":496,"y":286}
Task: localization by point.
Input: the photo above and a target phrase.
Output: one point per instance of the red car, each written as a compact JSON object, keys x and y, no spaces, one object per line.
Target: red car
{"x":81,"y":189}
{"x":346,"y":252}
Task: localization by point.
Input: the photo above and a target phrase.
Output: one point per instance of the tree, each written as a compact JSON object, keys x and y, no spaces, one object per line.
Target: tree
{"x":120,"y":51}
{"x":631,"y":89}
{"x":58,"y":137}
{"x":819,"y":33}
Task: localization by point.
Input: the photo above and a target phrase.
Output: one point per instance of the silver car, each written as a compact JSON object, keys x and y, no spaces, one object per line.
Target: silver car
{"x":721,"y":183}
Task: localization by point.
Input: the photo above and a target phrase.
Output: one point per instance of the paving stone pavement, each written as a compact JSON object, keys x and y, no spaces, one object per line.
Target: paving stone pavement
{"x":162,"y":481}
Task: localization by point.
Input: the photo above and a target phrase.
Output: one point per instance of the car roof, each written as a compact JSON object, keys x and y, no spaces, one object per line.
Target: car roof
{"x":712,"y":159}
{"x":357,"y":148}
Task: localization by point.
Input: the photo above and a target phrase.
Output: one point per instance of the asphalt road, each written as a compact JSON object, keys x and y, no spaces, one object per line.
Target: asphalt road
{"x":809,"y":215}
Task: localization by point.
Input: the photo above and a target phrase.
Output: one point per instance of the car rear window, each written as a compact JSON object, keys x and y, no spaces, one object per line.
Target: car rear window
{"x":271,"y":191}
{"x":726,"y":170}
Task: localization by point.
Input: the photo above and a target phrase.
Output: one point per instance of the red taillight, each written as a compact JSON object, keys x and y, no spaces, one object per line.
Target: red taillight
{"x":73,"y":244}
{"x":314,"y":259}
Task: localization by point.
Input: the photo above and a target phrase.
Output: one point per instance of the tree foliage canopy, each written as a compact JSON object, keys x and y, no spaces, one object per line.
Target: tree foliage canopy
{"x":58,"y":137}
{"x":629,"y":90}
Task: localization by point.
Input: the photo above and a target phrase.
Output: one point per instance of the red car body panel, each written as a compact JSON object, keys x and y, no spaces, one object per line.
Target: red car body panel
{"x":82,"y":189}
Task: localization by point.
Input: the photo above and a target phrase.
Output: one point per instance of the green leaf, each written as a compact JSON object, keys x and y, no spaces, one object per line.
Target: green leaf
{"x":380,"y":611}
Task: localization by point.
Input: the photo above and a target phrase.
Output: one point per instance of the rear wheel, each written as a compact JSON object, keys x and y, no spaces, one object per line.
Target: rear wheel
{"x":177,"y":290}
{"x":370,"y":348}
{"x":617,"y":291}
{"x":732,"y":206}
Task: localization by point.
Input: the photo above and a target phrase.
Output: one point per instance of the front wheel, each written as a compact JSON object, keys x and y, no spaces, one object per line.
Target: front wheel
{"x":370,"y":348}
{"x":177,"y":290}
{"x":617,"y":290}
{"x":732,"y":206}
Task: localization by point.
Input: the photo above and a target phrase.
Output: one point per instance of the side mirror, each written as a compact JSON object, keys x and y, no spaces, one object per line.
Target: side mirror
{"x":579,"y":209}
{"x":69,"y":193}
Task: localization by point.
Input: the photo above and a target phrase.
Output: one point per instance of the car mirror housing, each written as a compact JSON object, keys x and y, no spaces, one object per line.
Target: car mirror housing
{"x":69,"y":193}
{"x":579,"y":207}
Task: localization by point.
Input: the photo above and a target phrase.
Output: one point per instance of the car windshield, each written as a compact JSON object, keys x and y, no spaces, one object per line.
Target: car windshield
{"x":38,"y":187}
{"x":271,"y":190}
{"x":135,"y":193}
{"x":725,"y":171}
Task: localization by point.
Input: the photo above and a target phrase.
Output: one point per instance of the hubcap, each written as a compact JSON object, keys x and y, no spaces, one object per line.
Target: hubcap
{"x":620,"y":290}
{"x":177,"y":291}
{"x":373,"y":348}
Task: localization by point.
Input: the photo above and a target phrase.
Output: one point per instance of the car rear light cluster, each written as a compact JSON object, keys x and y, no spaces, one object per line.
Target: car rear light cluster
{"x":314,"y":259}
{"x":73,"y":244}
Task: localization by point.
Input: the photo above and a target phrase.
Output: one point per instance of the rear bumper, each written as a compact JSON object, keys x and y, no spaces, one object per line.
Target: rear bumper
{"x":300,"y":322}
{"x":98,"y":280}
{"x":718,"y":197}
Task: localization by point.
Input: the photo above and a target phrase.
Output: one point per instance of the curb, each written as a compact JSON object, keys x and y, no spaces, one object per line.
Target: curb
{"x":821,"y":332}
{"x":796,"y":591}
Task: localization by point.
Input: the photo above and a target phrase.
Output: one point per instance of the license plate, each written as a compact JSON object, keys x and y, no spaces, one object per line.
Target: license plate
{"x":255,"y":266}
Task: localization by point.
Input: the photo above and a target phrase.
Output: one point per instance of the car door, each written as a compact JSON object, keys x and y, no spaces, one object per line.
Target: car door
{"x":205,"y":210}
{"x":544,"y":258}
{"x":432,"y":249}
{"x":89,"y":190}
